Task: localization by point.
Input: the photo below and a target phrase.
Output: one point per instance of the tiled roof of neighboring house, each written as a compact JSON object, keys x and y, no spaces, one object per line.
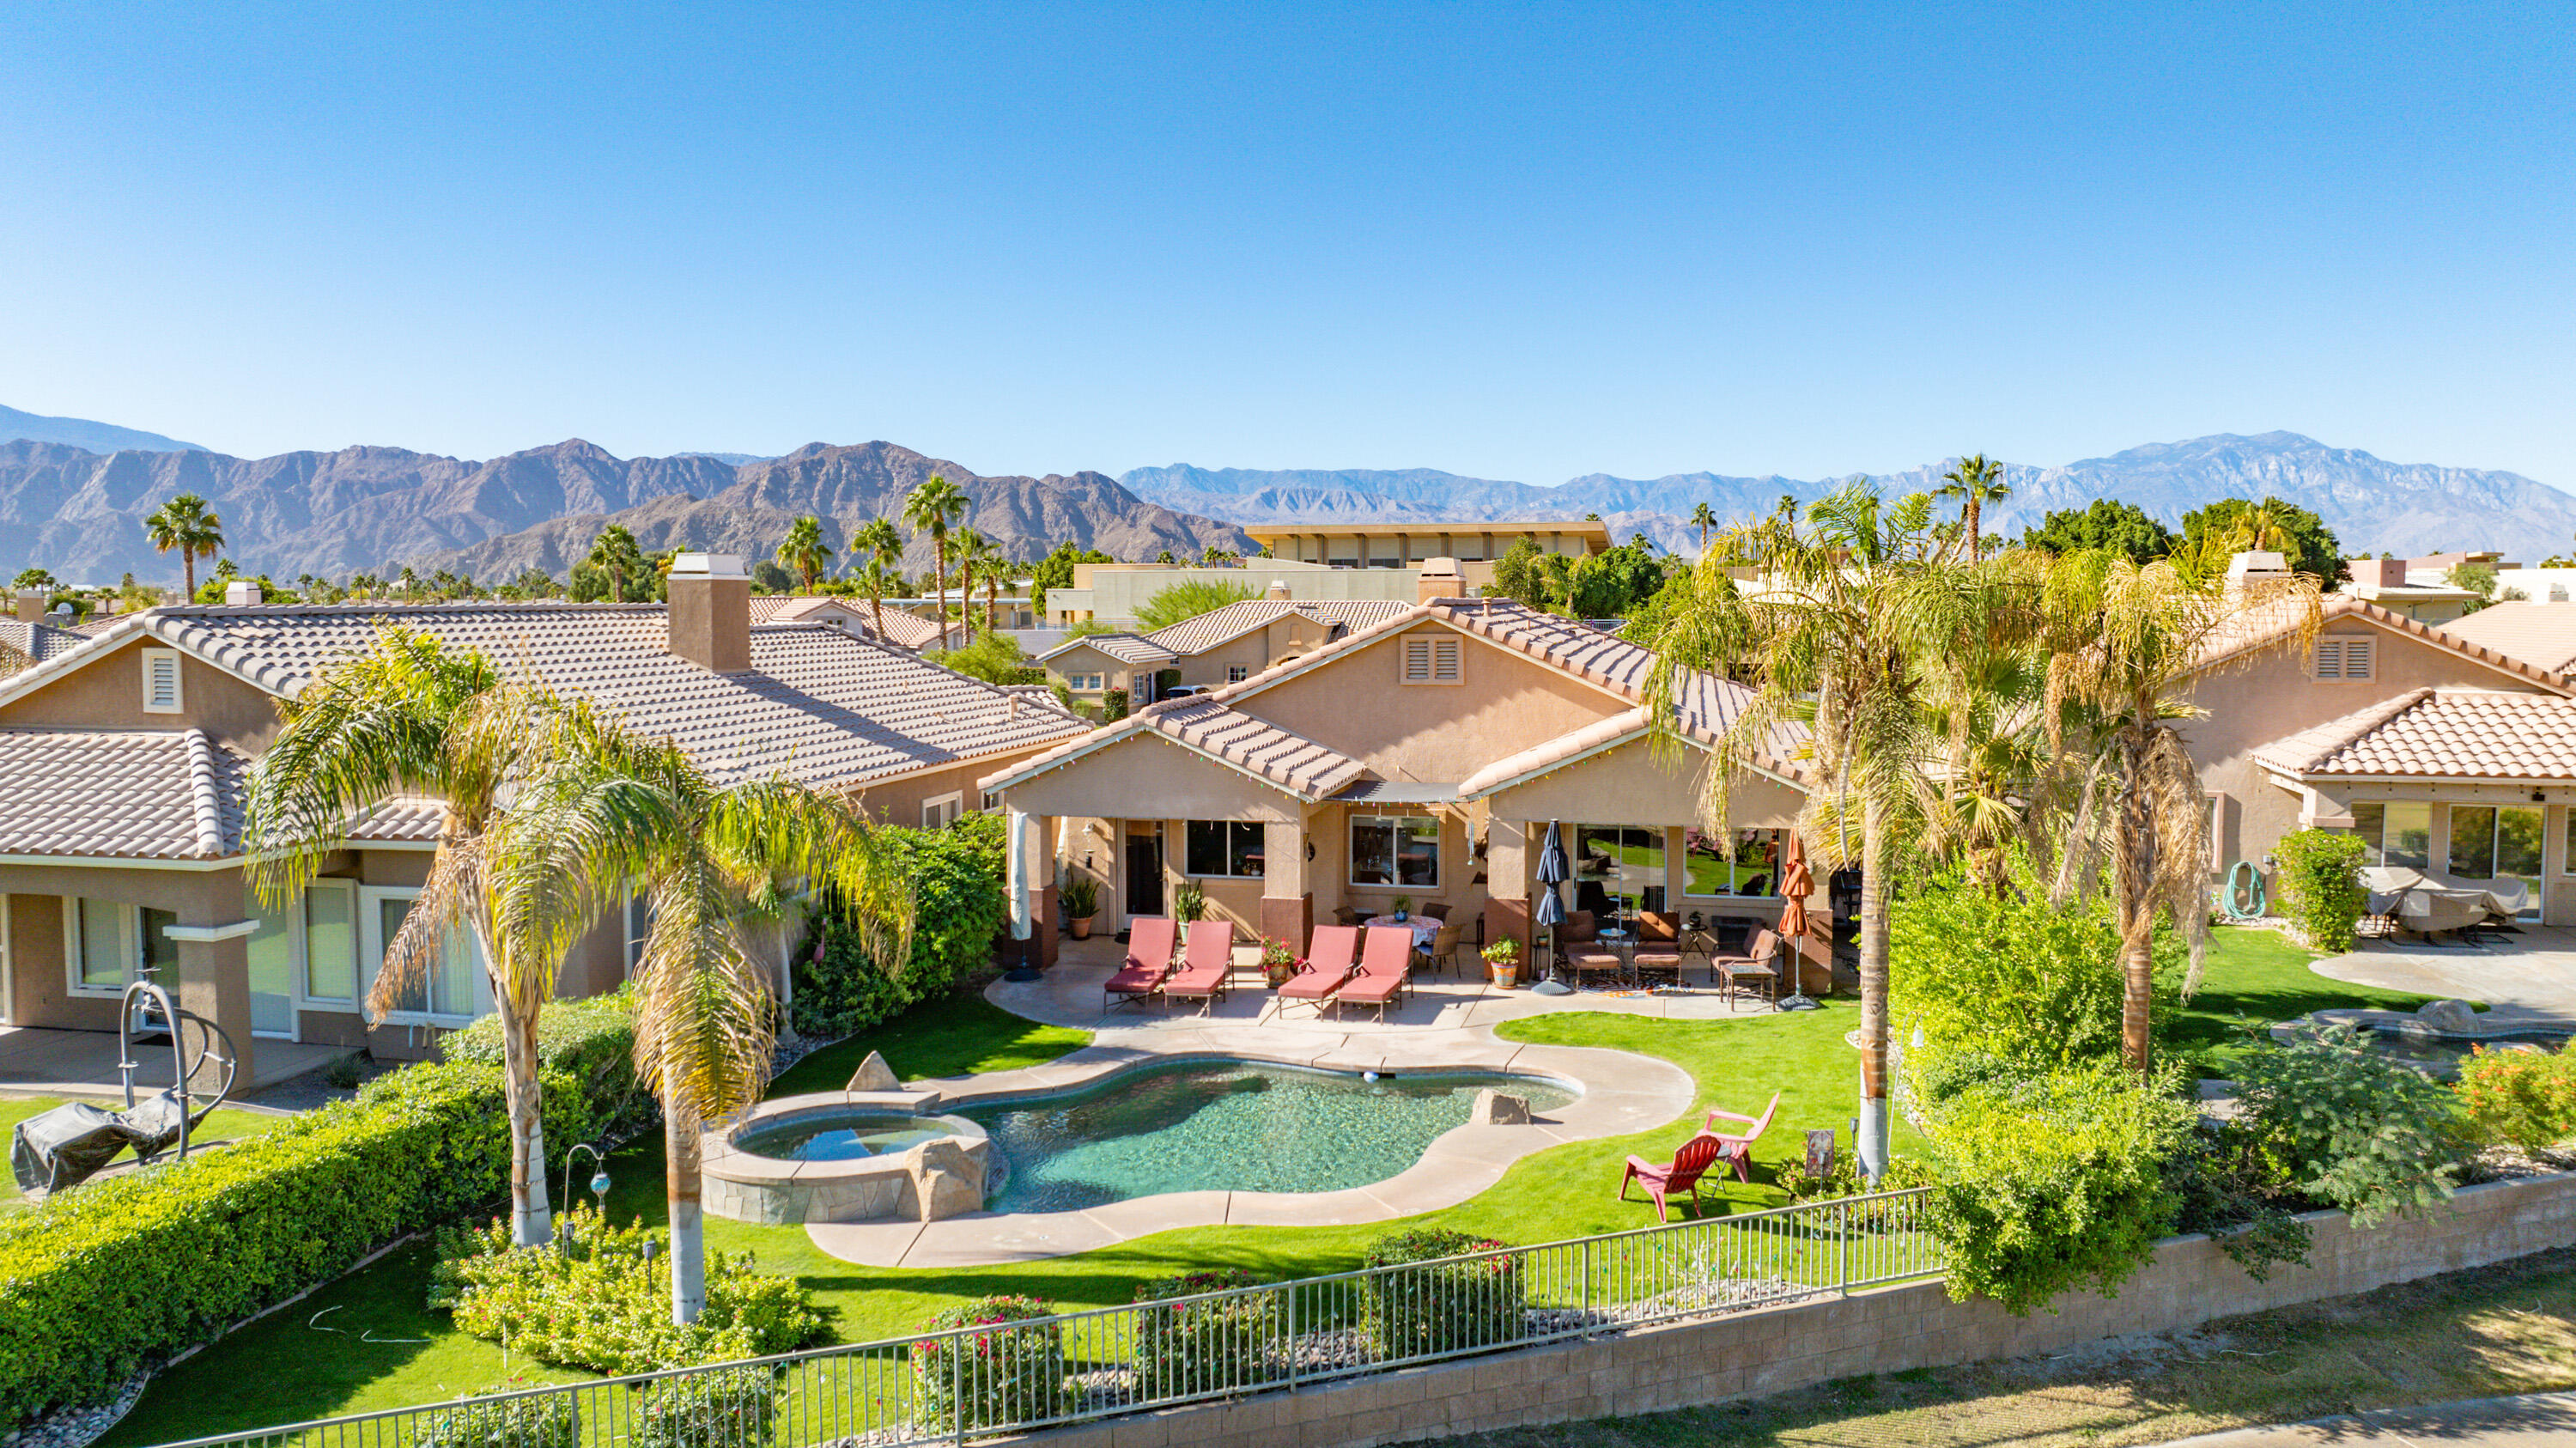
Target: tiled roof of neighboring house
{"x":400,"y":821}
{"x":171,"y":795}
{"x":22,"y":644}
{"x":827,"y":706}
{"x":904,"y":630}
{"x":2541,"y":634}
{"x":2437,"y":734}
{"x":1127,"y":648}
{"x":2273,"y":624}
{"x":1225,"y":625}
{"x":1279,"y":757}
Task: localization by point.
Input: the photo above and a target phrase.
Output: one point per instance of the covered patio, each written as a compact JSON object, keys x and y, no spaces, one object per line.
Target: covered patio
{"x":37,"y":1061}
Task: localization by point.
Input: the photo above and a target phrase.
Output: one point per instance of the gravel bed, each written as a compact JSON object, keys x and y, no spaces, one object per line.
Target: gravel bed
{"x":79,"y":1427}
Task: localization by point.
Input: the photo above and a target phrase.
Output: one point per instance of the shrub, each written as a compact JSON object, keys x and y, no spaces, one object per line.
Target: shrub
{"x":347,"y":1071}
{"x":549,"y":1420}
{"x":1201,"y":1347}
{"x":2234,"y":1191}
{"x":125,"y":1270}
{"x":2014,"y":979}
{"x":959,"y":905}
{"x":591,"y":1041}
{"x":728,"y":1408}
{"x":2052,"y":1183}
{"x":2352,"y":1126}
{"x":1440,"y":1308}
{"x":596,"y":1302}
{"x":989,"y":1379}
{"x":2526,"y":1097}
{"x":2321,"y":886}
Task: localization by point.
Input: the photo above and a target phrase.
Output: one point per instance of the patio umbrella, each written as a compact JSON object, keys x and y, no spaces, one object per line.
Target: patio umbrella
{"x":1552,"y":872}
{"x":1797,"y":926}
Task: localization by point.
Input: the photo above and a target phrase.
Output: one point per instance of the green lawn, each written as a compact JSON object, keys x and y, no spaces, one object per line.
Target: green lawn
{"x":2254,"y":980}
{"x":224,"y":1125}
{"x":954,"y":1036}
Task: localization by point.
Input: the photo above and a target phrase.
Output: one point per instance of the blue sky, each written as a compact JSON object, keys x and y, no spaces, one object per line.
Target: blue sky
{"x":1515,"y":242}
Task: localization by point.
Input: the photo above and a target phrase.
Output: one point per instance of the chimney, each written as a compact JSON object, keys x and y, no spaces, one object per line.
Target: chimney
{"x":710,"y":612}
{"x":2384,"y":572}
{"x":241,"y":592}
{"x":31,"y":608}
{"x":1278,"y":589}
{"x":1440,"y":579}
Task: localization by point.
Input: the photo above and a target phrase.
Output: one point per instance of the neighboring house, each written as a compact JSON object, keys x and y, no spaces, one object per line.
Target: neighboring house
{"x":24,"y":642}
{"x":1116,"y":593}
{"x":123,"y":765}
{"x":903,"y":630}
{"x":2539,"y":633}
{"x":1421,"y":756}
{"x":1475,"y":546}
{"x":2407,"y":590}
{"x":1095,"y":665}
{"x":1222,"y":646}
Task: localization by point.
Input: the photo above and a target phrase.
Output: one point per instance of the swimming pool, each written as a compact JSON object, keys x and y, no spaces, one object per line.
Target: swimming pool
{"x":1226,"y":1126}
{"x":852,"y":1136}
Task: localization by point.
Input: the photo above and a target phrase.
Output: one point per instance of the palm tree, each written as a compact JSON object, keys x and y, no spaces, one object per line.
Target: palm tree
{"x":804,"y":549}
{"x":615,"y":812}
{"x":1860,"y":606}
{"x":2129,"y":636}
{"x":1704,"y":518}
{"x":406,"y":717}
{"x":185,"y":525}
{"x":614,"y":552}
{"x":976,"y":555}
{"x":932,"y":508}
{"x":883,"y":548}
{"x":1978,"y":481}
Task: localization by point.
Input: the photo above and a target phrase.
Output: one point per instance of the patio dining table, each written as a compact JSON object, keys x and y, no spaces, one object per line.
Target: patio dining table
{"x":1425,"y":929}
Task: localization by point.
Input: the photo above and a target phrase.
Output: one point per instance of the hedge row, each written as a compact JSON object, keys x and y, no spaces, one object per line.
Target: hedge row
{"x":129,"y":1269}
{"x":959,"y":906}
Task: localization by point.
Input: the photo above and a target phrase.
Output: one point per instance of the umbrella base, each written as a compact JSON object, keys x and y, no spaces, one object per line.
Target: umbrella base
{"x":1551,"y":988}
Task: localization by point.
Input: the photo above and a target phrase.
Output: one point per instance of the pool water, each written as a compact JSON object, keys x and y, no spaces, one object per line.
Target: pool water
{"x":1227,"y":1126}
{"x":841,"y":1138}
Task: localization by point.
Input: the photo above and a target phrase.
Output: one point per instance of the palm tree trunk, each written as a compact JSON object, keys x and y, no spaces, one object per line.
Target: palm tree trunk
{"x":876,"y":606}
{"x":1871,"y":1143}
{"x":1975,"y":522}
{"x":2136,"y":848}
{"x":688,"y":1218}
{"x":531,"y":1217}
{"x":188,"y":561}
{"x":939,"y":587}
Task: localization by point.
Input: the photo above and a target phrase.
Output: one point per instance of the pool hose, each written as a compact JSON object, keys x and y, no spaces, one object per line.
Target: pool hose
{"x":2244,"y":883}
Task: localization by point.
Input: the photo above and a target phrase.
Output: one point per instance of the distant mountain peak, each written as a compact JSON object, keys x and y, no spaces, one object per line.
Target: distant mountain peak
{"x":97,"y":437}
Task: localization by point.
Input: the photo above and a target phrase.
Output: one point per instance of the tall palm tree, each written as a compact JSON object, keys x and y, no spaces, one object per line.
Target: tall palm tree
{"x":1976,"y":481}
{"x":1860,"y":606}
{"x":406,"y":717}
{"x":976,"y":556}
{"x":882,"y":546}
{"x":1704,"y":518}
{"x":804,"y":549}
{"x":186,"y":526}
{"x":2129,"y":637}
{"x":615,"y":812}
{"x":933,"y":508}
{"x":615,"y":553}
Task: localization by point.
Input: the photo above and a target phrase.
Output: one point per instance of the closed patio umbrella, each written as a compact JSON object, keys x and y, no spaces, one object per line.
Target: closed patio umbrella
{"x":1797,"y":925}
{"x":1553,"y":870}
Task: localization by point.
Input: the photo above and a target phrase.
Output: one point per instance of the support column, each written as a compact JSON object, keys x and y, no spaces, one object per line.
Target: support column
{"x":1507,"y":888}
{"x":214,"y":966}
{"x":1287,"y":904}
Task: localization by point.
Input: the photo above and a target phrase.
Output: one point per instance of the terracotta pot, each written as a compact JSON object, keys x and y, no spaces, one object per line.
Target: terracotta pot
{"x":1082,"y":927}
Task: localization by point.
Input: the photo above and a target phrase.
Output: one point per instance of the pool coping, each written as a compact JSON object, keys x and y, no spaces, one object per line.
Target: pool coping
{"x":1619,"y":1093}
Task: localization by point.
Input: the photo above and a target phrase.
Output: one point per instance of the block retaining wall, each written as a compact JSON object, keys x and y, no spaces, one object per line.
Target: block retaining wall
{"x":1773,"y":1350}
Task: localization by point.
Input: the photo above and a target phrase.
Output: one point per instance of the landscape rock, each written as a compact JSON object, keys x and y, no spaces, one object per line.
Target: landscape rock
{"x":2451,"y":1018}
{"x":874,"y":1075}
{"x":945,"y":1178}
{"x":1494,"y":1108}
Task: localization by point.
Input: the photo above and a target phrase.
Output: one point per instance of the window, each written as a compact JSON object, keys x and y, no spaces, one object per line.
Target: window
{"x":446,"y":986}
{"x":331,"y":941}
{"x":1618,"y":868}
{"x":1225,"y":849}
{"x":271,"y":953}
{"x":1739,"y":863}
{"x":639,"y":928}
{"x":1083,"y":683}
{"x":1432,"y":659}
{"x":1237,"y":673}
{"x":161,"y":681}
{"x":112,"y":945}
{"x":1395,"y":850}
{"x":2396,"y":832}
{"x":940,"y":812}
{"x":2491,"y":843}
{"x":2344,"y":657}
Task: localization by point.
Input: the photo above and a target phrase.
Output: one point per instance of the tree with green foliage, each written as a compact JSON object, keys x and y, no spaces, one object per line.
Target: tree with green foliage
{"x":934,"y":508}
{"x":1704,"y":518}
{"x":995,"y":658}
{"x":2107,"y":525}
{"x":186,"y":526}
{"x":614,"y":570}
{"x":805,"y":550}
{"x":1974,"y":481}
{"x":1521,"y":573}
{"x":1056,"y":571}
{"x":976,"y":555}
{"x":1188,"y":600}
{"x":2214,"y":534}
{"x":34,"y":580}
{"x":2475,"y":579}
{"x":882,"y":549}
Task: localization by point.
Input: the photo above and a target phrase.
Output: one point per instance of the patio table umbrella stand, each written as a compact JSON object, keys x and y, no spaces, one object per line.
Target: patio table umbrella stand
{"x":1552,"y":872}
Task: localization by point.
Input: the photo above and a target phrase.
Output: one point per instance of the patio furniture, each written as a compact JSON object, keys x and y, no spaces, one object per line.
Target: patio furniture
{"x":1688,"y":1165}
{"x":1380,"y":980}
{"x":1204,"y":970}
{"x":1326,"y":967}
{"x":1588,"y":961}
{"x":1150,"y":939}
{"x":1658,"y":950}
{"x":1759,"y":963}
{"x":1445,"y":947}
{"x":1738,"y":1150}
{"x":1436,"y":909}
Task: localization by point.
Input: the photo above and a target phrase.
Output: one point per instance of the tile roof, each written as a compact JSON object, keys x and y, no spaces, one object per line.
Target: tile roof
{"x":827,"y":706}
{"x":2541,"y":634}
{"x":904,"y":630}
{"x":1128,"y":648}
{"x":2273,"y":623}
{"x":1276,"y":756}
{"x":1225,"y":625}
{"x":169,"y":795}
{"x":22,"y":644}
{"x":2437,"y":734}
{"x":401,"y":821}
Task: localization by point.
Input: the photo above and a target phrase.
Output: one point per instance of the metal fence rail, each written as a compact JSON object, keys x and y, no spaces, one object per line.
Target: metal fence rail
{"x":995,"y":1378}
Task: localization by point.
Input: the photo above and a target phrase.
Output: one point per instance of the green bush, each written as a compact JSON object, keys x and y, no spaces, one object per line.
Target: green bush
{"x":2236,"y":1192}
{"x":2526,"y":1097}
{"x":2321,"y":890}
{"x":591,"y":1041}
{"x":595,"y":1301}
{"x":2353,"y":1127}
{"x":2011,"y":980}
{"x":988,"y":1379}
{"x":729,"y":1408}
{"x":1202,"y":1347}
{"x":2052,"y":1183}
{"x":959,"y":906}
{"x":122,"y":1271}
{"x":1431,"y":1309}
{"x":549,"y":1420}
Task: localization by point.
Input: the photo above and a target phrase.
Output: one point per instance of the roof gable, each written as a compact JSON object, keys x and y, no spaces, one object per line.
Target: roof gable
{"x":2265,"y":628}
{"x":2437,"y":734}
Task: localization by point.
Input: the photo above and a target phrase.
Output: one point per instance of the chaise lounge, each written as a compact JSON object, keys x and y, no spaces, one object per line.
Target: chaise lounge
{"x":1380,"y":980}
{"x":1150,"y":939}
{"x":1205,"y":969}
{"x":1325,"y":969}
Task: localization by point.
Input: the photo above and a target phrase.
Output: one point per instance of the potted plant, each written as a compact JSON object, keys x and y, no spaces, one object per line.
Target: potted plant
{"x":1080,"y":897}
{"x":1503,"y":958}
{"x":1403,"y":907}
{"x":1278,"y":961}
{"x":1189,"y":902}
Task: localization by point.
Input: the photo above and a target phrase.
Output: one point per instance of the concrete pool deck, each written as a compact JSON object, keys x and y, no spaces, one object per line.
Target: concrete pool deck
{"x":1622,"y":1093}
{"x":2525,"y":979}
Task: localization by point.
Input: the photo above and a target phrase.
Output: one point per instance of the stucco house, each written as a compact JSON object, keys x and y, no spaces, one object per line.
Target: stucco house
{"x":1223,"y":646}
{"x":123,"y":766}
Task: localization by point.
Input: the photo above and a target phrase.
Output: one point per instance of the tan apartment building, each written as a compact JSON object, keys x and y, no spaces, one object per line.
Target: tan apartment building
{"x":1410,"y":545}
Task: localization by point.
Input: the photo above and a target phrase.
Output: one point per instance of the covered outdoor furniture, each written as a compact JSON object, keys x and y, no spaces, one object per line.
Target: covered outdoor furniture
{"x":1758,"y":962}
{"x":1380,"y":981}
{"x":1204,"y":970}
{"x":1659,"y":946}
{"x":1682,"y":1174}
{"x":2429,"y":904}
{"x":1738,"y":1150}
{"x":1326,"y":967}
{"x":1150,"y":939}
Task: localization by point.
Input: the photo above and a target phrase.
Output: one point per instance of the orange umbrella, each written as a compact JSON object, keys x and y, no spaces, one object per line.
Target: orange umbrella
{"x":1797,"y":926}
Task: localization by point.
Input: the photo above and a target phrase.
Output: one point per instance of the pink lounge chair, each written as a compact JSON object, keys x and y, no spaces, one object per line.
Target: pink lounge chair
{"x":1738,"y":1150}
{"x":1150,"y":939}
{"x":1380,"y":980}
{"x":1326,"y":967}
{"x":1204,"y":969}
{"x":1688,"y":1165}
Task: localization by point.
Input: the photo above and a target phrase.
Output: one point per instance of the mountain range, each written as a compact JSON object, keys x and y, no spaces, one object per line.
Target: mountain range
{"x":76,"y":509}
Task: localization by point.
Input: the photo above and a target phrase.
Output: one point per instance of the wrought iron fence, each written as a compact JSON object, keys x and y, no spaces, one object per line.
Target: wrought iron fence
{"x":1004,"y":1377}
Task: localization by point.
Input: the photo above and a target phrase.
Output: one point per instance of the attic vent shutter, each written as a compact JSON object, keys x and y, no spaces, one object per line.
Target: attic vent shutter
{"x":2343,"y":658}
{"x":160,"y":681}
{"x":1417,"y":661}
{"x":2356,"y":658}
{"x":1444,"y":661}
{"x":1431,"y":661}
